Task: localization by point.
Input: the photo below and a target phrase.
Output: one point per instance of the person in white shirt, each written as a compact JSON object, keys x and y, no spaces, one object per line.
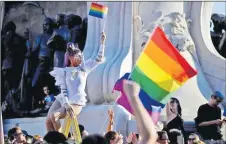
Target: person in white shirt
{"x":72,"y":82}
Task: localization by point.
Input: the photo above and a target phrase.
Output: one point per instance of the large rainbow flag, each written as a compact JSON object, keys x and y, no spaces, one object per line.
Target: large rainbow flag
{"x":98,"y":10}
{"x":161,"y":69}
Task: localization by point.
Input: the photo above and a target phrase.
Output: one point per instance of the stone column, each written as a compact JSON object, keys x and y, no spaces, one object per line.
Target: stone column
{"x":171,"y":17}
{"x":118,"y":54}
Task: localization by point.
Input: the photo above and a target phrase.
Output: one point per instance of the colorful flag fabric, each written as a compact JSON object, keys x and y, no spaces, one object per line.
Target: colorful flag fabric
{"x":161,"y":69}
{"x":152,"y":106}
{"x":98,"y":10}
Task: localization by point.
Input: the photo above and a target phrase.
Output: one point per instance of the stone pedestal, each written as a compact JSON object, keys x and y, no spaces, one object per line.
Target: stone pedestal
{"x":93,"y":117}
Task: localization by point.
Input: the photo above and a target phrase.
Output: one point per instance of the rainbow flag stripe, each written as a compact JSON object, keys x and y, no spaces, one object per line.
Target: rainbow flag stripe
{"x":153,"y":107}
{"x":161,"y":69}
{"x":98,"y":10}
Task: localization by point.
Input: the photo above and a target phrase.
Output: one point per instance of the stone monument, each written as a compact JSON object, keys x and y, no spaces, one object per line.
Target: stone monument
{"x":128,"y":27}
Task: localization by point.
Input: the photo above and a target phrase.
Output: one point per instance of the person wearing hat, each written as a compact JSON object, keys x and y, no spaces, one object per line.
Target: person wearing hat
{"x":208,"y":120}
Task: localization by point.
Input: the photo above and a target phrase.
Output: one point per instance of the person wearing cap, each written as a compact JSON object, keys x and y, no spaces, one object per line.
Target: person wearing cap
{"x":208,"y":120}
{"x":72,"y":82}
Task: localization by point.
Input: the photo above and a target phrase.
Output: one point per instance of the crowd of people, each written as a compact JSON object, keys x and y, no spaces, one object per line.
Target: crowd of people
{"x":208,"y":124}
{"x":26,"y":63}
{"x":50,"y":75}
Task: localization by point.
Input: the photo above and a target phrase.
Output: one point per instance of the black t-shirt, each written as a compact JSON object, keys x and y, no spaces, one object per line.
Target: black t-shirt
{"x":208,"y":113}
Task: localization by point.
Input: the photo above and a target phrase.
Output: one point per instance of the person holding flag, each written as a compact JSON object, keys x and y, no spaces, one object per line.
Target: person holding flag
{"x":72,"y":81}
{"x":72,"y":78}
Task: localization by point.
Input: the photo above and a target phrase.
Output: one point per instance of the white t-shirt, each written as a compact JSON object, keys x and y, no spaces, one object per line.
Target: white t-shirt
{"x":75,"y":84}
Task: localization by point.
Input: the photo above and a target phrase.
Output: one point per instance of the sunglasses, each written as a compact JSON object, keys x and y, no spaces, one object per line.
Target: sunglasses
{"x":17,"y":134}
{"x":217,"y":99}
{"x":173,"y":101}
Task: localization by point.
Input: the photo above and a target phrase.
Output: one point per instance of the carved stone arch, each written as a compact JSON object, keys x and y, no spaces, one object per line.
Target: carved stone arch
{"x":213,"y":64}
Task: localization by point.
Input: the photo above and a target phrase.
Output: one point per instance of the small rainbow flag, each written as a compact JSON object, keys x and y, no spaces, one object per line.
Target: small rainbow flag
{"x":161,"y":69}
{"x":98,"y":10}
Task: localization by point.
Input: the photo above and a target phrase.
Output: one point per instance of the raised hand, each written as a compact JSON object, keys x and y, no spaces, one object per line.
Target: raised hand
{"x":119,"y":139}
{"x":111,"y":114}
{"x":131,"y":89}
{"x":129,"y":138}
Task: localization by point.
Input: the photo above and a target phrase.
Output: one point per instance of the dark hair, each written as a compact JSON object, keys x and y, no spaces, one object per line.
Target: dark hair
{"x":161,"y":133}
{"x":111,"y":135}
{"x":94,"y":139}
{"x":81,"y":129}
{"x":173,"y":137}
{"x":54,"y":137}
{"x":178,"y":106}
{"x":12,"y":131}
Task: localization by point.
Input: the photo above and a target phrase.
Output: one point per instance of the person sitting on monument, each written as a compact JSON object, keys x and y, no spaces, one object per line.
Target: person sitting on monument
{"x":45,"y":103}
{"x":49,"y":98}
{"x":208,"y":120}
{"x":72,"y":82}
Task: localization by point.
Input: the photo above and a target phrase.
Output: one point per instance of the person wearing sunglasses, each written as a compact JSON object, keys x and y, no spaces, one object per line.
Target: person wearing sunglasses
{"x":18,"y":137}
{"x":194,"y":139}
{"x":208,"y":120}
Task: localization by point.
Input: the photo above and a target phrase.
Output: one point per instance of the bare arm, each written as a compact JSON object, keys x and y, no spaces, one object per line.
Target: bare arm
{"x":146,"y":126}
{"x":111,"y":120}
{"x":100,"y":55}
{"x":207,"y":123}
{"x":168,"y":111}
{"x":91,"y":64}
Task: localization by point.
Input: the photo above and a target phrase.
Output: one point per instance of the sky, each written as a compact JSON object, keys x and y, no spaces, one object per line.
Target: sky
{"x":219,"y":8}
